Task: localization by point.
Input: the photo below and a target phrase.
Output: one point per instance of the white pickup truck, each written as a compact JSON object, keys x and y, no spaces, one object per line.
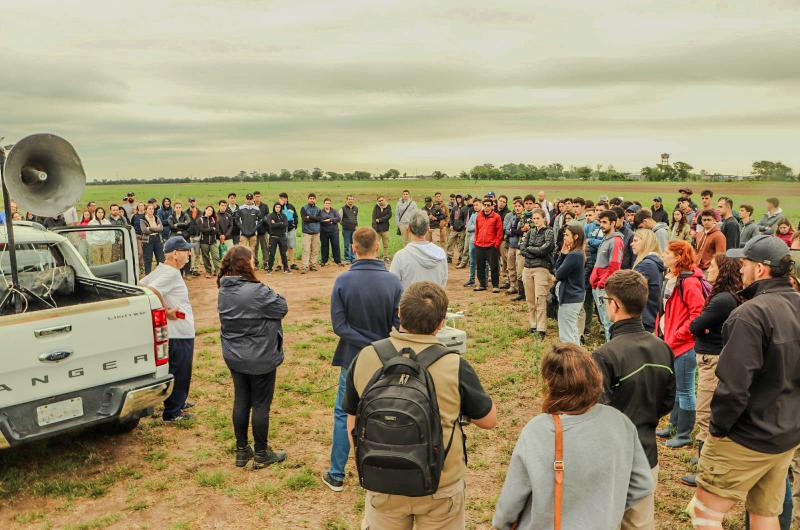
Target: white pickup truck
{"x":90,"y":348}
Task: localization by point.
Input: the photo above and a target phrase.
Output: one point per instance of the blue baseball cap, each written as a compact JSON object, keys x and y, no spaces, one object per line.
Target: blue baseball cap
{"x":176,"y":243}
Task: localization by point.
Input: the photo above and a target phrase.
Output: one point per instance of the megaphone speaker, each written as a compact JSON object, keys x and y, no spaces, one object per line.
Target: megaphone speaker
{"x":44,"y":174}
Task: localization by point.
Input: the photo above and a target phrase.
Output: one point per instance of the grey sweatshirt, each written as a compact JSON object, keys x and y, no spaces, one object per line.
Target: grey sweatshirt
{"x":418,"y":262}
{"x":605,"y":472}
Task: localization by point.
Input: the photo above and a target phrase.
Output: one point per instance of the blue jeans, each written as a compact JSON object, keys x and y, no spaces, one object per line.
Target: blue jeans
{"x":600,"y":302}
{"x":568,"y":323}
{"x":340,"y":449}
{"x":348,"y":245}
{"x":685,"y":369}
{"x":181,"y":352}
{"x":472,"y":259}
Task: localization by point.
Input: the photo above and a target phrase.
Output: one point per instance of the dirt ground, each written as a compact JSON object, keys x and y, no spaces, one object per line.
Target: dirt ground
{"x":170,"y":477}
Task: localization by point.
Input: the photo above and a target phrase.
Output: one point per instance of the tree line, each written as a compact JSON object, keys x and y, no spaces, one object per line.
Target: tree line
{"x":763,"y":170}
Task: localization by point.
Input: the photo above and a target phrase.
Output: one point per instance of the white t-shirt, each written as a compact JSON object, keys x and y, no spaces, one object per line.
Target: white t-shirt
{"x":167,"y":280}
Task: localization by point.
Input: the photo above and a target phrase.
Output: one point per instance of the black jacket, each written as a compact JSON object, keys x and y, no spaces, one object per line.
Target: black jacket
{"x":652,"y":268}
{"x":276,"y":224}
{"x":436,"y":212}
{"x":248,"y":220}
{"x":638,"y":378}
{"x":569,"y":273}
{"x":349,"y":217}
{"x":380,"y":218}
{"x":207,"y":226}
{"x":537,"y":248}
{"x":660,"y":215}
{"x":179,"y":224}
{"x":707,"y":327}
{"x":757,"y":399}
{"x":194,"y":215}
{"x":458,"y":218}
{"x":250,"y":316}
{"x":627,"y":237}
{"x":265,"y":211}
{"x":225,"y":224}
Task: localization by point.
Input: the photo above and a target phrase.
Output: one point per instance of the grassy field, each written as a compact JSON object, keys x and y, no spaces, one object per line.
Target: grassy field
{"x":171,"y":477}
{"x":367,"y":192}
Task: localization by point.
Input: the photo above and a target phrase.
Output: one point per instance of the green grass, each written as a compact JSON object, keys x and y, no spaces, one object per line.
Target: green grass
{"x":94,"y":524}
{"x":302,"y":480}
{"x":211,"y":479}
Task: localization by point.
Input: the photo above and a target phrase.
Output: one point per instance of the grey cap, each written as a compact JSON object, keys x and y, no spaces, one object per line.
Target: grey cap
{"x":633,"y":208}
{"x":763,"y":248}
{"x":176,"y":243}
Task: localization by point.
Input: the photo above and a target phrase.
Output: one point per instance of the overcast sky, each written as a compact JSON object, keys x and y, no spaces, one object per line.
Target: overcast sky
{"x":184,"y":88}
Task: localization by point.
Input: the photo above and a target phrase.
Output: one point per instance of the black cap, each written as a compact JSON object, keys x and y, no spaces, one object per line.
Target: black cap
{"x":657,"y":198}
{"x":248,"y":196}
{"x":763,"y":248}
{"x":152,"y":200}
{"x":428,"y":199}
{"x":130,"y":194}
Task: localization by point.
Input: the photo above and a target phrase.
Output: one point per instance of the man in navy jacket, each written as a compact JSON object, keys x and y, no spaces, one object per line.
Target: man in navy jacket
{"x":364,"y":304}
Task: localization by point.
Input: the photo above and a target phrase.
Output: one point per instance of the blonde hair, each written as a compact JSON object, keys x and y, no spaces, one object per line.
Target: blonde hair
{"x":649,"y":244}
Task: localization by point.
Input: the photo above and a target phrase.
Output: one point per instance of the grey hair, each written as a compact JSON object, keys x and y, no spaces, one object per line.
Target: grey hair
{"x":419,"y":224}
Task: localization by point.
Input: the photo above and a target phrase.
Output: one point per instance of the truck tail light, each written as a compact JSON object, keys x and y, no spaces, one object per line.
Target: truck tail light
{"x":160,"y":336}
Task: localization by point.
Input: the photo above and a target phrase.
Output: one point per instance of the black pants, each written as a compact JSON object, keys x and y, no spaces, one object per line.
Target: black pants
{"x":181,"y":352}
{"x":281,"y":244}
{"x":588,"y":308}
{"x":252,"y":392}
{"x":262,"y":243}
{"x":490,"y":255}
{"x":333,"y":238}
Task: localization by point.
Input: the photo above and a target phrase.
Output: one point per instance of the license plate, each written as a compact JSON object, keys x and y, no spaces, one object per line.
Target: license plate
{"x":59,"y":411}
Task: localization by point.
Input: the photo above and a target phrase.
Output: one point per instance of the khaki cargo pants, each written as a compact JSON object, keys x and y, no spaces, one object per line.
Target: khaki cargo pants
{"x":796,"y":490}
{"x":537,"y":282}
{"x":706,"y":385}
{"x":504,"y":276}
{"x":310,"y":250}
{"x":642,"y":515}
{"x":444,"y":510}
{"x":455,"y":244}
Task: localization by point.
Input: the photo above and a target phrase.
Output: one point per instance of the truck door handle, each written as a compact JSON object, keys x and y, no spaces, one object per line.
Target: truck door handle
{"x":48,"y":332}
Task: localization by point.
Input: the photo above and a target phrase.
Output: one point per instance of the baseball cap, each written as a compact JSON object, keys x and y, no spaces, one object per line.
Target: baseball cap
{"x":604,"y":198}
{"x":633,"y":208}
{"x":176,"y":243}
{"x":490,"y":194}
{"x":130,"y":194}
{"x":763,"y":248}
{"x":657,"y":198}
{"x":152,"y":199}
{"x":688,"y":191}
{"x":192,"y":199}
{"x":248,"y":196}
{"x":428,"y":199}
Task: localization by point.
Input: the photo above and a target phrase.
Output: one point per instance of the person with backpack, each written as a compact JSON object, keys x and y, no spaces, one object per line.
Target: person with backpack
{"x":359,"y":317}
{"x":684,"y":304}
{"x":457,"y":232}
{"x":725,"y":275}
{"x":579,"y":464}
{"x":405,"y":397}
{"x":638,"y":379}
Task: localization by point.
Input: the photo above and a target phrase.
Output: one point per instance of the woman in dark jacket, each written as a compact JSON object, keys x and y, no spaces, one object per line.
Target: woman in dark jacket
{"x":225,"y":225}
{"x":276,"y":225}
{"x":163,"y":213}
{"x":209,"y":247}
{"x":649,"y":264}
{"x":570,"y":290}
{"x":725,"y":275}
{"x":329,"y":233}
{"x":250,"y":315}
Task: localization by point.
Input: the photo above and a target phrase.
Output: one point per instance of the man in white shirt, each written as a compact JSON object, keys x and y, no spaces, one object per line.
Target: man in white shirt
{"x":545,"y":205}
{"x":166,"y":281}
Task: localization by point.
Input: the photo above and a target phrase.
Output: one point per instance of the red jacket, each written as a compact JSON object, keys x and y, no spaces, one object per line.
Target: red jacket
{"x":488,"y":230}
{"x":786,"y":238}
{"x":681,"y":310}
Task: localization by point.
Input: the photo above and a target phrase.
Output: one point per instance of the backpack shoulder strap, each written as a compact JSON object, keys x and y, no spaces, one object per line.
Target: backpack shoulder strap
{"x":385,"y":350}
{"x":431,"y":354}
{"x":558,"y":467}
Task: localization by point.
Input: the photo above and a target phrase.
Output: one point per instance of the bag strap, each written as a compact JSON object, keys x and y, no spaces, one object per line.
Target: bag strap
{"x":385,"y":350}
{"x":558,"y":467}
{"x":400,"y":219}
{"x":431,"y":354}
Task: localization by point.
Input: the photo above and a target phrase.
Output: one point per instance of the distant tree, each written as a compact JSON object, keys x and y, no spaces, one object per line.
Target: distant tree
{"x":317,"y":174}
{"x":438,"y":175}
{"x":583,"y":172}
{"x":768,"y":170}
{"x":301,"y":175}
{"x":682,"y":170}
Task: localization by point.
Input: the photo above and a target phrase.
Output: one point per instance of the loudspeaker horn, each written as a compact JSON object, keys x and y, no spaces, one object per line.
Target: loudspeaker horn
{"x":44,"y":174}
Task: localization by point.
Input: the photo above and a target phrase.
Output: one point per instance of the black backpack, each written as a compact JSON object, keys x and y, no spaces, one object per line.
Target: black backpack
{"x":398,"y":432}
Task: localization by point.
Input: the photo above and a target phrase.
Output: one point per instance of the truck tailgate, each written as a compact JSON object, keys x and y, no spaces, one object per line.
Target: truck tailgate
{"x":56,"y":351}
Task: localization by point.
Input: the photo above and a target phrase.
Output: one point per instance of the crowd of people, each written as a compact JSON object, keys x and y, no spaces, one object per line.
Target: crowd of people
{"x":699,"y":316}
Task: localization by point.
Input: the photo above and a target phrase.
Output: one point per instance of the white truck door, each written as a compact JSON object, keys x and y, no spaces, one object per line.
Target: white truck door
{"x":110,"y":251}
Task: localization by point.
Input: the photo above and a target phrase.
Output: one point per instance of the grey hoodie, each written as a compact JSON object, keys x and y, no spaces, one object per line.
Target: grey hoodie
{"x":661,"y":230}
{"x":605,"y":472}
{"x":769,"y":221}
{"x":420,"y":261}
